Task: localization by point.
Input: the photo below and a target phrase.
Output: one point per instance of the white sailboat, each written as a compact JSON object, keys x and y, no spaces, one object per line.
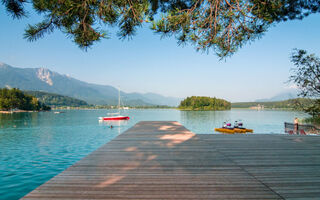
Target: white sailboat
{"x":115,"y":116}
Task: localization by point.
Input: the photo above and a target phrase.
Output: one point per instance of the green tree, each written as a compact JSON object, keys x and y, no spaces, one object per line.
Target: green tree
{"x":306,"y":75}
{"x":204,"y":103}
{"x":16,"y":99}
{"x":221,"y":25}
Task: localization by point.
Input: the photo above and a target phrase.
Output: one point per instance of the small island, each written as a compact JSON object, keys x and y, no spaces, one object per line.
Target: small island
{"x":204,"y":103}
{"x":14,"y":100}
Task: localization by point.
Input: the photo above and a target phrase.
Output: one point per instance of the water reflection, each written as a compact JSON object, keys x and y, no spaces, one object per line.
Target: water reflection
{"x":208,"y":119}
{"x":114,"y":123}
{"x":118,"y":125}
{"x":17,"y":120}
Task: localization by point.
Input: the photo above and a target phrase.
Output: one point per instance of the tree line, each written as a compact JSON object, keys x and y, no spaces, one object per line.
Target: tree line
{"x":204,"y":103}
{"x":56,"y":99}
{"x":14,"y":98}
{"x":290,"y":104}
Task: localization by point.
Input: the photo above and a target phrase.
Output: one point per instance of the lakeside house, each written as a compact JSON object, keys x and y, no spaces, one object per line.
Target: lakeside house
{"x":258,"y":107}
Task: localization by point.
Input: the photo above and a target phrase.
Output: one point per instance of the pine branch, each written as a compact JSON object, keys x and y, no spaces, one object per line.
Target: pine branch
{"x":34,"y":32}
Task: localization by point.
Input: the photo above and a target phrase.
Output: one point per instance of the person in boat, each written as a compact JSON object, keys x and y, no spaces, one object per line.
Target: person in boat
{"x":236,"y":124}
{"x":228,"y":125}
{"x":224,"y":125}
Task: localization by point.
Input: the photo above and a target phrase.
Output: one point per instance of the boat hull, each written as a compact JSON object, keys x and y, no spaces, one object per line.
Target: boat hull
{"x":224,"y":130}
{"x":233,"y":130}
{"x":116,"y":118}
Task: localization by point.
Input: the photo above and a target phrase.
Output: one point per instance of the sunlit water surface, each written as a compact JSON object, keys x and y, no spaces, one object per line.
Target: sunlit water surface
{"x":34,"y":147}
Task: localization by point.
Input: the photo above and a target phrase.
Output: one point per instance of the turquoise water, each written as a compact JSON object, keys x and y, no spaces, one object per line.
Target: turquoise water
{"x":34,"y":147}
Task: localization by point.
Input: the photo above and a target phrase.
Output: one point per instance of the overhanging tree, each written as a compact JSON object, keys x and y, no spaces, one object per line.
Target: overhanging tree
{"x":306,"y":75}
{"x":221,"y":25}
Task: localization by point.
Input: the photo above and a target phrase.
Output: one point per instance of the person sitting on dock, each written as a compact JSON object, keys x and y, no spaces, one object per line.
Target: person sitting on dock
{"x":296,"y":126}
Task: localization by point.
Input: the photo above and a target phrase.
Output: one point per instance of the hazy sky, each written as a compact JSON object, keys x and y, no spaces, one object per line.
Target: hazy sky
{"x":150,"y":64}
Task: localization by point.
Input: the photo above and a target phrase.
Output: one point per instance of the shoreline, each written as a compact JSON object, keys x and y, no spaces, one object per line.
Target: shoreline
{"x":16,"y":111}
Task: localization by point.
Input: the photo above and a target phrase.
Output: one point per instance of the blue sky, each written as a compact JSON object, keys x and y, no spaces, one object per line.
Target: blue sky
{"x":150,"y":64}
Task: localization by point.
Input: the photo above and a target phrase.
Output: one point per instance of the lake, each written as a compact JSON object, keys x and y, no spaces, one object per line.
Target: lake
{"x":37,"y":146}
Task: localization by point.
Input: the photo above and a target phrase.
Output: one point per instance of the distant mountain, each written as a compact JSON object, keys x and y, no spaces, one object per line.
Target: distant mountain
{"x":155,"y":99}
{"x":292,"y":94}
{"x":42,"y":79}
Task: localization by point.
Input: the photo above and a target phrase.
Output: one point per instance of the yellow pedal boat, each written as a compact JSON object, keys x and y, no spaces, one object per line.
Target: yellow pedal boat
{"x":233,"y":130}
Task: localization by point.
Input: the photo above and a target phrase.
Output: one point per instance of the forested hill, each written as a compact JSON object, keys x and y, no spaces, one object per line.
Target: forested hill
{"x":12,"y":99}
{"x":204,"y":103}
{"x":294,"y":104}
{"x":52,"y":99}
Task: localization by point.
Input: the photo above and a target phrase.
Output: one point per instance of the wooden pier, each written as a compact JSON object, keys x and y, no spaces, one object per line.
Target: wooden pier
{"x":164,"y":160}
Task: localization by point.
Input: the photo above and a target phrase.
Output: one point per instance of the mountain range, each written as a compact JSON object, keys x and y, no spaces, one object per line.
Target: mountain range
{"x":43,"y":79}
{"x":288,"y":94}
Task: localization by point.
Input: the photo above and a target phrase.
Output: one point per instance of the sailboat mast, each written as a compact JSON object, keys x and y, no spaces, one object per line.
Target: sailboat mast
{"x":119,"y":101}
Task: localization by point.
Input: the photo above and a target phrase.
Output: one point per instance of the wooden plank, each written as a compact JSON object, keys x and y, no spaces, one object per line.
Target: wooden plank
{"x":164,"y":160}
